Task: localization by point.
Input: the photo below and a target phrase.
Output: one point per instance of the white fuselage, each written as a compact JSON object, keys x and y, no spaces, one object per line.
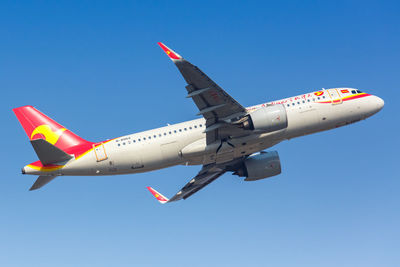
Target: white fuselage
{"x":185,"y":143}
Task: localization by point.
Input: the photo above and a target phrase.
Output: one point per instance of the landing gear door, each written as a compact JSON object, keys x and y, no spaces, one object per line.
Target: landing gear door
{"x":100,"y":152}
{"x":335,"y":96}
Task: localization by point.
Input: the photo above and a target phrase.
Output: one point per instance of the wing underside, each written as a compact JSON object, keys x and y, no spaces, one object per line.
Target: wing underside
{"x":222,"y":114}
{"x":207,"y":175}
{"x":217,"y":106}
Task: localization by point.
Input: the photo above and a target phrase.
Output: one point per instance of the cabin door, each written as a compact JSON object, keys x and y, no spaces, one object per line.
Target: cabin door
{"x":100,"y":152}
{"x":335,"y":96}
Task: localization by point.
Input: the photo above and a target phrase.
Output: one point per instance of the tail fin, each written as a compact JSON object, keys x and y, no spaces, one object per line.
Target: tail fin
{"x":39,"y":126}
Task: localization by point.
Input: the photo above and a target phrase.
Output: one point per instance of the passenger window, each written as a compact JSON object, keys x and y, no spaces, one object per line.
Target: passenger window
{"x":134,"y":141}
{"x":195,"y":126}
{"x":165,"y":133}
{"x":180,"y":130}
{"x":185,"y":129}
{"x":190,"y":128}
{"x":174,"y":131}
{"x":308,"y":100}
{"x":292,"y":104}
{"x":159,"y":135}
{"x":123,"y":143}
{"x":144,"y":138}
{"x":319,"y":98}
{"x":323,"y":96}
{"x":201,"y":125}
{"x":304,"y":101}
{"x":119,"y":144}
{"x":139,"y":140}
{"x":288,"y":105}
{"x":298,"y":103}
{"x":170,"y":132}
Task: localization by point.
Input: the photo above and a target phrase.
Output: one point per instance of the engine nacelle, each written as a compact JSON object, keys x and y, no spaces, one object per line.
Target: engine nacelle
{"x":267,"y":119}
{"x":260,"y":166}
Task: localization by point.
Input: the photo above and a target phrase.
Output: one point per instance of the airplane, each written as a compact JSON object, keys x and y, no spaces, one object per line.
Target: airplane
{"x":227,"y":138}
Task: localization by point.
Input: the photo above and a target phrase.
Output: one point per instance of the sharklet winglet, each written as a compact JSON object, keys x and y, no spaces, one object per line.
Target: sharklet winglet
{"x":162,"y":199}
{"x":170,"y":53}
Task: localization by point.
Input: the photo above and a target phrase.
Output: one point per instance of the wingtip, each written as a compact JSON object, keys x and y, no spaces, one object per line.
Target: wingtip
{"x":170,"y":53}
{"x":162,"y":199}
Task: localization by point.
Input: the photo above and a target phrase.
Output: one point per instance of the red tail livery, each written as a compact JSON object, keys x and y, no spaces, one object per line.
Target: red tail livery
{"x":39,"y":126}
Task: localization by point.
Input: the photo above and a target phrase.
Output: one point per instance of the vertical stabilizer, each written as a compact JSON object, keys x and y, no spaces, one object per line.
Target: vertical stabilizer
{"x":39,"y":126}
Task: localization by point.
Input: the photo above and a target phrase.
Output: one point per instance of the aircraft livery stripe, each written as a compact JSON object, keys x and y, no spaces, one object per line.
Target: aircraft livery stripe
{"x":347,"y":98}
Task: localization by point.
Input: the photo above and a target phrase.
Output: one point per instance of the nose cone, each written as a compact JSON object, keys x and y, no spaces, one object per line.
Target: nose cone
{"x":379,"y":103}
{"x":375,"y":104}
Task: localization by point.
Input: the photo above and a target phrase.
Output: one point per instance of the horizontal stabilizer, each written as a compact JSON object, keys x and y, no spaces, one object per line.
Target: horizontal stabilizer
{"x":48,"y":153}
{"x":41,"y":181}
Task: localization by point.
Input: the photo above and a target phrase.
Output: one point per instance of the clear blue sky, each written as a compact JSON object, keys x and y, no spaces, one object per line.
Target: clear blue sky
{"x":95,"y":67}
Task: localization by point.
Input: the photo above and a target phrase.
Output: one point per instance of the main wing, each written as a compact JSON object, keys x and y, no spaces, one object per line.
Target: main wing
{"x":218,"y":108}
{"x":207,"y":174}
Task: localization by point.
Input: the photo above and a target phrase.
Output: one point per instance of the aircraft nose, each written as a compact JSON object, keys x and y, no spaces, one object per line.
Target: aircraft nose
{"x":379,"y":103}
{"x":375,"y":105}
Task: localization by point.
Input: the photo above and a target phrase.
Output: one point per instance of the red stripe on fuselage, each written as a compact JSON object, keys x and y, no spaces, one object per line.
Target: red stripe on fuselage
{"x":347,"y":98}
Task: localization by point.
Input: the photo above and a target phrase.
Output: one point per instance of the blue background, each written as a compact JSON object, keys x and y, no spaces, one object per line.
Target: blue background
{"x":95,"y":67}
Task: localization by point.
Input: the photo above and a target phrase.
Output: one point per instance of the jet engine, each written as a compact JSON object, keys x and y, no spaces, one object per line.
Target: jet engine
{"x":266,"y":119}
{"x":260,"y":166}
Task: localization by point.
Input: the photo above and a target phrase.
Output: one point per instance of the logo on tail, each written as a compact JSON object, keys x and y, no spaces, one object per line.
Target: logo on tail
{"x":49,"y":135}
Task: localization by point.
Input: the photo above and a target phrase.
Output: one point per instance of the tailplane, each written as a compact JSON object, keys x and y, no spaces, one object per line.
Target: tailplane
{"x":41,"y":181}
{"x":48,"y":153}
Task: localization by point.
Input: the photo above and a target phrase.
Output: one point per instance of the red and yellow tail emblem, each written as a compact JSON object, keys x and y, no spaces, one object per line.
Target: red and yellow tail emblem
{"x":45,"y":131}
{"x":39,"y":126}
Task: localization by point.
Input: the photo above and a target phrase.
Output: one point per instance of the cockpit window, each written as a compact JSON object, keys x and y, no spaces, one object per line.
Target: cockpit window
{"x":353,"y":92}
{"x":358,"y":91}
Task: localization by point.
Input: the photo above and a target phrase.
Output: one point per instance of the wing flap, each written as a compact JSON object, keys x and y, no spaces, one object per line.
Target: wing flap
{"x":194,"y":186}
{"x":206,"y":175}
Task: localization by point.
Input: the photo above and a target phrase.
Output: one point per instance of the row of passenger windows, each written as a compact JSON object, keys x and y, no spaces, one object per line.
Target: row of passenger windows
{"x":319,"y":98}
{"x":159,"y":135}
{"x":304,"y":101}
